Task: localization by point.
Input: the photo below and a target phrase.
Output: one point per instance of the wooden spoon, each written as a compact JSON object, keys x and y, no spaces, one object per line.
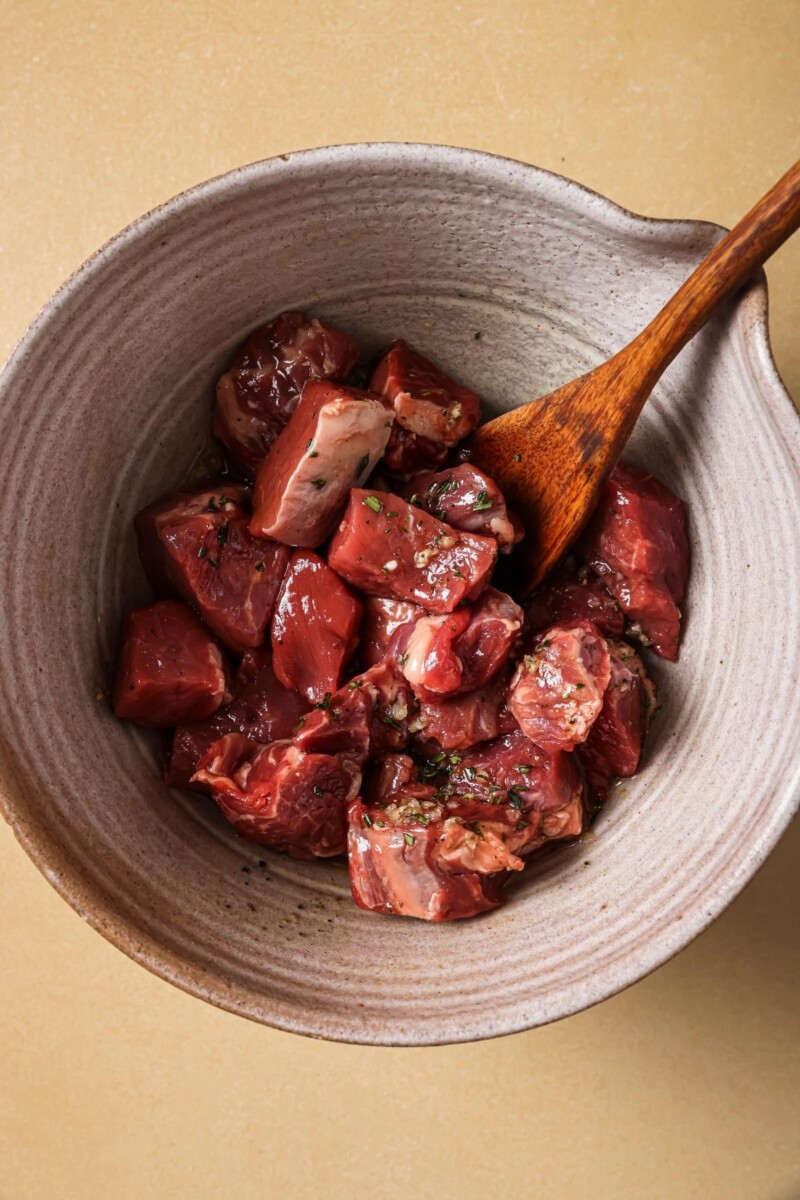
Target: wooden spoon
{"x":551,"y":457}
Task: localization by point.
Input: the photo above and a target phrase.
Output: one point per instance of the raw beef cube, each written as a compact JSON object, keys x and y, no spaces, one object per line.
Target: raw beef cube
{"x":540,"y":793}
{"x":261,"y":708}
{"x":459,"y":651}
{"x":433,"y":410}
{"x":198,"y":546}
{"x":486,"y":644}
{"x":279,"y":796}
{"x":615,"y":741}
{"x":396,"y":867}
{"x":368,"y":716}
{"x":557,"y":690}
{"x":315,"y":627}
{"x":331,"y":444}
{"x":570,"y":593}
{"x":386,"y":547}
{"x":426,"y":655}
{"x":256,"y":397}
{"x":169,"y":668}
{"x":382,"y":620}
{"x":638,"y":544}
{"x":457,"y":722}
{"x":465,"y":497}
{"x":444,"y":854}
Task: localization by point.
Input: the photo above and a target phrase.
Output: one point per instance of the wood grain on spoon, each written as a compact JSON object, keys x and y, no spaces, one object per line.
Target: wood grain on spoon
{"x":551,"y":457}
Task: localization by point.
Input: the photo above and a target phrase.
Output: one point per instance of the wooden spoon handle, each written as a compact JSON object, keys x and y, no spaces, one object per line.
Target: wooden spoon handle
{"x":730,"y":264}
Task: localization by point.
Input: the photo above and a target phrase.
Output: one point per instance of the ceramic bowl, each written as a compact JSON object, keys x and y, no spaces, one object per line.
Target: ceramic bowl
{"x":105,"y":404}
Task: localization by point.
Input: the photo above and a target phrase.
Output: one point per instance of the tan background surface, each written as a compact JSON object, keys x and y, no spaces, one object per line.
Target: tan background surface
{"x":115,"y":1086}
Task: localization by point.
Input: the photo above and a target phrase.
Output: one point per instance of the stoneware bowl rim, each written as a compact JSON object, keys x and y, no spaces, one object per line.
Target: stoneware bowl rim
{"x":86,"y":896}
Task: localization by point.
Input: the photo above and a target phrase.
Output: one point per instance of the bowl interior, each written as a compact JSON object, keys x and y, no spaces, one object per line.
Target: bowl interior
{"x":106,"y":404}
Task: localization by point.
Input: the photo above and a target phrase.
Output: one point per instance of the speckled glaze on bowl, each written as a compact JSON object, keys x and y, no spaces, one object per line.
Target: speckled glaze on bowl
{"x":105,"y":404}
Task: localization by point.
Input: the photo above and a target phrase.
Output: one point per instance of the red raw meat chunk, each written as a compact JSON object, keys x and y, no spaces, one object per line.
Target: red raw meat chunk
{"x":169,"y":668}
{"x":398,"y":867}
{"x":458,"y":722}
{"x":279,"y":796}
{"x":557,"y":691}
{"x":382,"y":619}
{"x":466,"y":498}
{"x":444,"y":854}
{"x":495,"y":621}
{"x":315,"y":627}
{"x":614,"y":745}
{"x":459,"y":651}
{"x":332,"y":442}
{"x":638,"y":544}
{"x":572,"y":593}
{"x":197,"y":545}
{"x":539,"y":793}
{"x":261,"y":708}
{"x":256,"y":397}
{"x":386,"y":547}
{"x":368,"y":716}
{"x":426,"y":655}
{"x":432,"y":412}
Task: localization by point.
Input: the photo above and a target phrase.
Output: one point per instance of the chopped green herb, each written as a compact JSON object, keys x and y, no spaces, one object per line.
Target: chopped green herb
{"x":212,"y":562}
{"x":354,"y":683}
{"x":381,"y":824}
{"x":373,"y":502}
{"x":223,"y":500}
{"x":403,"y":660}
{"x":308,"y":443}
{"x":523,"y":767}
{"x":222,"y":535}
{"x":325,"y":702}
{"x":522,"y":825}
{"x":459,"y":574}
{"x":578,"y":686}
{"x":260,"y":566}
{"x":515,"y":798}
{"x":469,"y":772}
{"x":415,"y":500}
{"x":517,"y":457}
{"x":202,"y":552}
{"x":317,"y":790}
{"x":476,"y":829}
{"x":408,"y":839}
{"x":313,"y":454}
{"x":299,"y":725}
{"x":391,"y":722}
{"x":455,"y":759}
{"x":367,"y":819}
{"x":318,"y":483}
{"x":437,"y":758}
{"x":482,"y":503}
{"x":542,"y":646}
{"x":391,"y":514}
{"x":477,"y":337}
{"x":212,"y":506}
{"x":362,"y":466}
